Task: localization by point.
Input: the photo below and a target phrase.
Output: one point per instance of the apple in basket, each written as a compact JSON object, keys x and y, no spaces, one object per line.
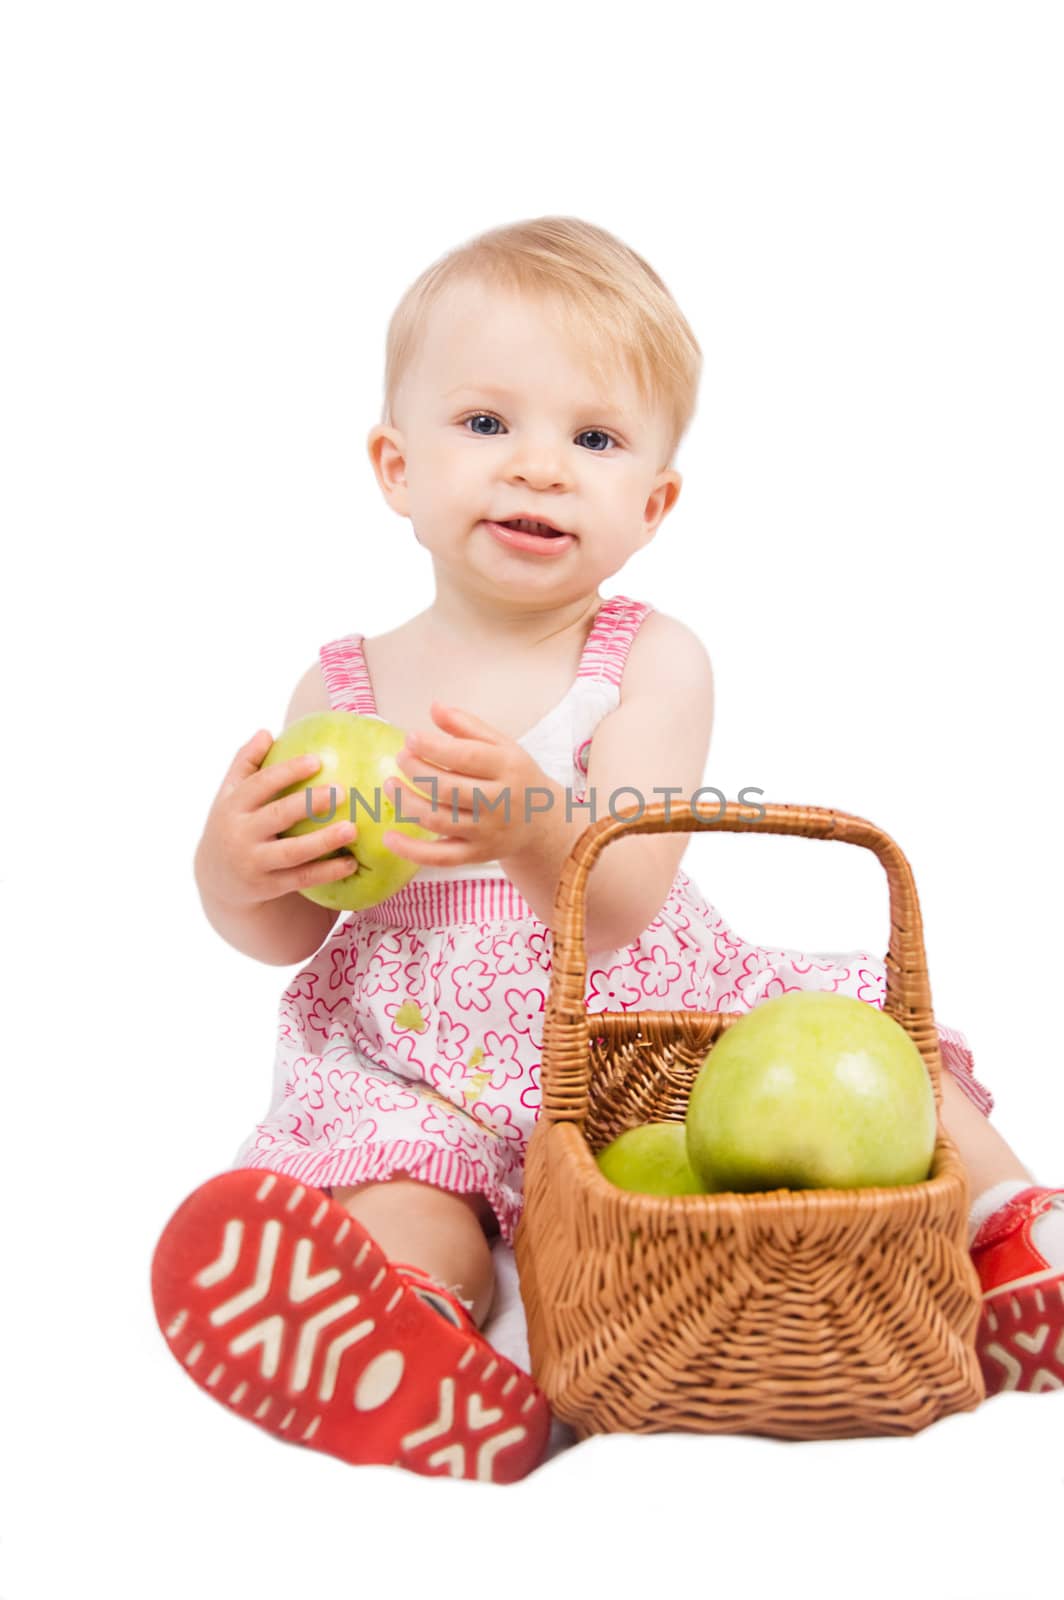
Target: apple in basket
{"x":651,"y":1159}
{"x":812,"y":1091}
{"x":357,"y":754}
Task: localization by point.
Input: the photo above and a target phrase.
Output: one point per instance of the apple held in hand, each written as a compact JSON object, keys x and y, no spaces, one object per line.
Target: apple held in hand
{"x":651,"y":1160}
{"x":812,"y":1091}
{"x":357,"y":754}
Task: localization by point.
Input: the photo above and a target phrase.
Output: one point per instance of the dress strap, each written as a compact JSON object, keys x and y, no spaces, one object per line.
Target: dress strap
{"x":343,"y":663}
{"x":610,"y":639}
{"x":343,"y":666}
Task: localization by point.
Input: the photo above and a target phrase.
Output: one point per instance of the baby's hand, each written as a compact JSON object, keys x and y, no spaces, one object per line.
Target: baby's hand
{"x":466,"y":756}
{"x":240,"y":860}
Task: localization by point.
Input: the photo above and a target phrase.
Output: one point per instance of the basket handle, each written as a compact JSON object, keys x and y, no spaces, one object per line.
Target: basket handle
{"x":566,"y":1029}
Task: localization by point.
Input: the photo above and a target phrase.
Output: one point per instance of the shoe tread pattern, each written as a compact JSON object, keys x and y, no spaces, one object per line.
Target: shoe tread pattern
{"x":279,"y":1305}
{"x":1020,"y":1341}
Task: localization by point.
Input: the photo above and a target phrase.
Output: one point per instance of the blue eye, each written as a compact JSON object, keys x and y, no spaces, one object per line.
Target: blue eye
{"x":486,"y":416}
{"x":481,"y":416}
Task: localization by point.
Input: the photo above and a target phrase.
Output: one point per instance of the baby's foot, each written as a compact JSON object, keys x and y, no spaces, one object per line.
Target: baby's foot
{"x":1020,"y":1339}
{"x":280,"y":1305}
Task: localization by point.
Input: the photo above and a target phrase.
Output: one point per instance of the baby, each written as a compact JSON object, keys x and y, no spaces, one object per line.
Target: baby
{"x":333,"y":1286}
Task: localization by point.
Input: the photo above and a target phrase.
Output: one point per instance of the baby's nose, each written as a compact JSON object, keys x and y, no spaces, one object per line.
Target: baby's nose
{"x":540,"y":468}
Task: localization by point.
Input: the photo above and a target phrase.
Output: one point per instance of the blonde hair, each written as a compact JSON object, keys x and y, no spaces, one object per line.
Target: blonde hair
{"x":609,"y":301}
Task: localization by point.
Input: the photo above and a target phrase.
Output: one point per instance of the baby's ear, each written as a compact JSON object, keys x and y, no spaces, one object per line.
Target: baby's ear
{"x":672,"y":484}
{"x":387,"y":454}
{"x":660,"y":502}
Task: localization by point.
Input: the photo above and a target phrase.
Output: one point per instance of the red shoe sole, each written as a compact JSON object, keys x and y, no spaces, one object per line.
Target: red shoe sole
{"x":281,"y":1306}
{"x":1020,"y":1342}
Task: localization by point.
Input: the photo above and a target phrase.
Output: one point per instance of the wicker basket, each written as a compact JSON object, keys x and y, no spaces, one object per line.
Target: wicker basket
{"x":796,"y":1313}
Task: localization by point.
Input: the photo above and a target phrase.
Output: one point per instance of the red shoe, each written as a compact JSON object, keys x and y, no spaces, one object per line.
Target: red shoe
{"x":282,"y":1307}
{"x":1020,"y":1339}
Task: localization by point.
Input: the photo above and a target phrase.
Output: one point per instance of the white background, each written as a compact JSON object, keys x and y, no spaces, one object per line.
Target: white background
{"x":211,"y":211}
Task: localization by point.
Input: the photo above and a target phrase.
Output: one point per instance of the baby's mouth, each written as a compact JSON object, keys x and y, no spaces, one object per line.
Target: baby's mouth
{"x":542,"y":529}
{"x":524,"y":533}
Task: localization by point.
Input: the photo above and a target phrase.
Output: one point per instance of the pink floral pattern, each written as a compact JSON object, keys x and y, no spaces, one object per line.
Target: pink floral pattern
{"x":418,"y":1048}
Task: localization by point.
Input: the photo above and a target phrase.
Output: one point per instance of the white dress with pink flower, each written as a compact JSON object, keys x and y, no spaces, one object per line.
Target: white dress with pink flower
{"x":411,"y":1041}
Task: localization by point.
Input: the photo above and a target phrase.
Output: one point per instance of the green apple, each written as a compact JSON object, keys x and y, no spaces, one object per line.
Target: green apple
{"x":651,"y":1160}
{"x":812,"y":1091}
{"x":356,"y":753}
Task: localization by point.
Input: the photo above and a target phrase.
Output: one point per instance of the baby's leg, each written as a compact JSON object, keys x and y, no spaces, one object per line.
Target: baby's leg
{"x":989,"y":1160}
{"x":419,"y":1225}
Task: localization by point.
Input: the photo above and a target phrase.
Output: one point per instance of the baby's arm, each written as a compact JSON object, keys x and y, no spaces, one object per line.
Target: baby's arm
{"x":286,"y":928}
{"x":656,"y":739}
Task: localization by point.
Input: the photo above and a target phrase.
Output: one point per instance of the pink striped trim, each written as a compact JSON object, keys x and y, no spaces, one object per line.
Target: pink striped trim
{"x":343,"y":667}
{"x":958,"y":1062}
{"x":610,"y":639}
{"x":420,"y":904}
{"x":447,"y":1169}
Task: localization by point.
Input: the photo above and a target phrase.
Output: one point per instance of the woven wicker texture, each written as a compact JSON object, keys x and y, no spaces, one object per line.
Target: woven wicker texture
{"x":798,"y":1314}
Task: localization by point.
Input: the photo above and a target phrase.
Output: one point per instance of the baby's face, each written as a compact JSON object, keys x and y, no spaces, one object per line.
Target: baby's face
{"x":498,"y":419}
